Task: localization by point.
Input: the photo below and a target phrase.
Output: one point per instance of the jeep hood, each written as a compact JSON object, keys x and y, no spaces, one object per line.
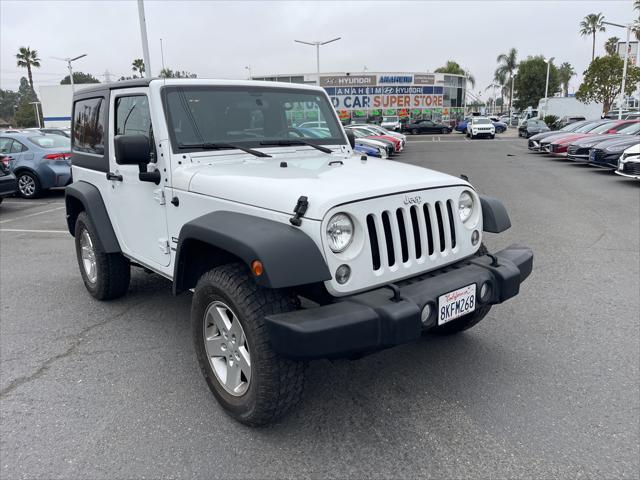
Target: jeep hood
{"x":326,"y":180}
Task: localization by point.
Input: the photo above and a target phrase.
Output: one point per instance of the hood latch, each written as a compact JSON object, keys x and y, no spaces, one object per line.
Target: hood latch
{"x":299,"y":211}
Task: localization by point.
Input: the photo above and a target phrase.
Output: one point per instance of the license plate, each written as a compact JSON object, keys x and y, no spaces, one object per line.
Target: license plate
{"x":456,"y":304}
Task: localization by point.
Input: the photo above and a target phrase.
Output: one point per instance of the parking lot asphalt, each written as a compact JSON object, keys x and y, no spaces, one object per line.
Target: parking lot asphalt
{"x":546,"y":386}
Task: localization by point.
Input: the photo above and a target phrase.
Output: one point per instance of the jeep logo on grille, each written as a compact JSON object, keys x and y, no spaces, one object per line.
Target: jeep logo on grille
{"x":417,"y":200}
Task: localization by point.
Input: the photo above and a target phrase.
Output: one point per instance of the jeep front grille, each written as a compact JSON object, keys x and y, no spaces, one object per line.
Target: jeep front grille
{"x":411,"y":233}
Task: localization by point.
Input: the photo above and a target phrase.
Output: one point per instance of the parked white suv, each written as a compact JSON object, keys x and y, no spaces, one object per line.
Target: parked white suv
{"x":480,"y":127}
{"x":294,"y":248}
{"x":391,"y":123}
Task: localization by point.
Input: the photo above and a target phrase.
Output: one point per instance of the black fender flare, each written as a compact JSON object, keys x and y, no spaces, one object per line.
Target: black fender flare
{"x":81,"y":196}
{"x":288,"y":255}
{"x":495,"y":218}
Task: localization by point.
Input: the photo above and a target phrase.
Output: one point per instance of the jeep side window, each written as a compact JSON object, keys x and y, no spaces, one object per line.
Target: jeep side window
{"x":133,"y":116}
{"x":5,"y":145}
{"x":88,"y":126}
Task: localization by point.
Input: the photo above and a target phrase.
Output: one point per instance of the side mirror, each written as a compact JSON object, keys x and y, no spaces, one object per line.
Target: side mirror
{"x":352,"y":138}
{"x":132,"y":149}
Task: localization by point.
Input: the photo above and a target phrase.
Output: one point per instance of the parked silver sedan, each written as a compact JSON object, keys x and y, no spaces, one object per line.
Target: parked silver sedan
{"x":39,"y":161}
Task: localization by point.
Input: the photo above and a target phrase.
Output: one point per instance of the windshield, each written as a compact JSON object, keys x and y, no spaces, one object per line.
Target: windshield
{"x":51,"y":141}
{"x":481,"y":121}
{"x":603,"y":128}
{"x":588,"y":127}
{"x":389,"y":119}
{"x":248,"y":116}
{"x":573,"y":126}
{"x":630,"y":129}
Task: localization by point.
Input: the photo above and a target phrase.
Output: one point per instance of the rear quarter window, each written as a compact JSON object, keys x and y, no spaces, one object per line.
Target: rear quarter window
{"x":88,"y":126}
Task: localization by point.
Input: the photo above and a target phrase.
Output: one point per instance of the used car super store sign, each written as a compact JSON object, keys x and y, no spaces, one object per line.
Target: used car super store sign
{"x":364,"y":92}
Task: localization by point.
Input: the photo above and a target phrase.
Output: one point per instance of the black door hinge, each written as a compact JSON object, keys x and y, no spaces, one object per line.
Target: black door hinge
{"x":299,"y":211}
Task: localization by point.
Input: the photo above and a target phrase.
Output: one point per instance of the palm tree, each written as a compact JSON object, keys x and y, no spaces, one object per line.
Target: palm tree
{"x":500,"y":78}
{"x":138,"y":65}
{"x":507,"y":64}
{"x":565,"y":73}
{"x":611,"y":45}
{"x":454,"y":68}
{"x":28,"y":58}
{"x":591,"y":24}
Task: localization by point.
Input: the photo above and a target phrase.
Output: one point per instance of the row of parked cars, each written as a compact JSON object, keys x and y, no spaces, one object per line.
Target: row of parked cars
{"x":33,"y":161}
{"x":610,"y":144}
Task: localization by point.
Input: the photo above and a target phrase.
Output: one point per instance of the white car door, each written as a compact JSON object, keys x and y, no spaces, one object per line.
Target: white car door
{"x":137,"y":208}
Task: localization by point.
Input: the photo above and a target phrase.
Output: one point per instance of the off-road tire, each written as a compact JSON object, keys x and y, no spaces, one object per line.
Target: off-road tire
{"x":464,"y":323}
{"x":113,"y":269}
{"x":276,"y":382}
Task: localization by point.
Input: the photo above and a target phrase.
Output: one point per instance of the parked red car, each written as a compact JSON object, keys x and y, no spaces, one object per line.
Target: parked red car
{"x":558,"y":148}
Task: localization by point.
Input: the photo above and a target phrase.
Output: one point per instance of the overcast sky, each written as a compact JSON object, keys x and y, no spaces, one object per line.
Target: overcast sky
{"x":219,"y":39}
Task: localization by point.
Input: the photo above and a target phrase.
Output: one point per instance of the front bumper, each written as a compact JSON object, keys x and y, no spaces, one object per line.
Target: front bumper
{"x":378,"y":319}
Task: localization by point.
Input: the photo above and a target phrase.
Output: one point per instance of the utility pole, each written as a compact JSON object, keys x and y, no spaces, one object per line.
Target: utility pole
{"x":317,"y":45}
{"x":624,"y":68}
{"x":107,"y":76}
{"x":513,"y":77}
{"x":145,"y":43}
{"x":546,"y":86}
{"x":248,"y":67}
{"x":69,"y":60}
{"x":35,"y":107}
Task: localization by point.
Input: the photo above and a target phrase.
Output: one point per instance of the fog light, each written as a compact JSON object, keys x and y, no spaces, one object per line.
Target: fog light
{"x":475,"y":237}
{"x":343,"y":273}
{"x":426,"y":313}
{"x":485,"y":292}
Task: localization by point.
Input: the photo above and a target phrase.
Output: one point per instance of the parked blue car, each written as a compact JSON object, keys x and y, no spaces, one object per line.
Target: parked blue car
{"x":462,"y":126}
{"x":39,"y":161}
{"x":367,"y":150}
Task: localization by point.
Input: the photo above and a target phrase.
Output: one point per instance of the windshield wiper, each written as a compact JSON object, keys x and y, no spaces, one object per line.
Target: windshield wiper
{"x":297,"y":142}
{"x":220,"y":146}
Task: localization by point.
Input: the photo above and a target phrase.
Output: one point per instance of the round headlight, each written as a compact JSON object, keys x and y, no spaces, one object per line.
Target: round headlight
{"x":465,"y":206}
{"x":339,"y":232}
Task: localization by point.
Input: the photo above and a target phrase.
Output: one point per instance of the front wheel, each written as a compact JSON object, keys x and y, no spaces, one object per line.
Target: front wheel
{"x":492,"y":136}
{"x":445,"y":131}
{"x":251,"y":382}
{"x":414,"y":131}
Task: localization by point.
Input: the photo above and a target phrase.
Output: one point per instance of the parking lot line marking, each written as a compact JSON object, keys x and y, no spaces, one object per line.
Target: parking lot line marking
{"x":31,"y":202}
{"x":21,"y":230}
{"x":31,"y":215}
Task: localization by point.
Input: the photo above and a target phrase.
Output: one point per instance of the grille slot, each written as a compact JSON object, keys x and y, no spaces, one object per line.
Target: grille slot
{"x":408,"y":234}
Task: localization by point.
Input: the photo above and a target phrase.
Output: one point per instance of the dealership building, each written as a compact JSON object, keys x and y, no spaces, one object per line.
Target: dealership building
{"x":366,"y":95}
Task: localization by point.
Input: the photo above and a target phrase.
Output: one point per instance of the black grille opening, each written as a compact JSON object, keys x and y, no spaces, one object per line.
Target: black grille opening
{"x":440,"y":226}
{"x":413,"y":212}
{"x":427,"y":218}
{"x":403,"y":235}
{"x":452,"y":223}
{"x":373,"y":238}
{"x":386,"y":224}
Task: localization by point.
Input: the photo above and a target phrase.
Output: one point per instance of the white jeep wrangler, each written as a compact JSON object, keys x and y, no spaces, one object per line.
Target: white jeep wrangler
{"x":294,"y":247}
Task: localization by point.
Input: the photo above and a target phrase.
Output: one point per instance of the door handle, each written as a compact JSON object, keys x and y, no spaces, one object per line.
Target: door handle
{"x":113,"y":176}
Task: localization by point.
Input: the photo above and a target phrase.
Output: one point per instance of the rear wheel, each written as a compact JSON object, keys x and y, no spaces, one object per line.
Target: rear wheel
{"x":28,"y":185}
{"x":105,"y":275}
{"x":253,"y":383}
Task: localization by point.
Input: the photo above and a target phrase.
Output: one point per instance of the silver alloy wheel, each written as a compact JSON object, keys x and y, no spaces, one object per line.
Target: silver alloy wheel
{"x":88,"y":254}
{"x":27,"y":185}
{"x":227,"y":348}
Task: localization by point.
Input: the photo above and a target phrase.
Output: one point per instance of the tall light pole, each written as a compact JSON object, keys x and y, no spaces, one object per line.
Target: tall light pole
{"x":513,"y":78}
{"x":248,"y":67}
{"x":624,"y":68}
{"x":546,"y":86}
{"x":69,"y":60}
{"x":35,"y":107}
{"x":145,"y":43}
{"x":317,"y":45}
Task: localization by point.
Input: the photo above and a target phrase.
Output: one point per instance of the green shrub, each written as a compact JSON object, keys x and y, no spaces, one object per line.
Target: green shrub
{"x":552,"y":121}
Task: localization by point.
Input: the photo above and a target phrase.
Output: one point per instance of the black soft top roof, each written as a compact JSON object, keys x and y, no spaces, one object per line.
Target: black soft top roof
{"x":99,"y":87}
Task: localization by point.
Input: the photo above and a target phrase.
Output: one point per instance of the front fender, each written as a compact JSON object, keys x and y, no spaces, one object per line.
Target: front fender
{"x":288,"y":255}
